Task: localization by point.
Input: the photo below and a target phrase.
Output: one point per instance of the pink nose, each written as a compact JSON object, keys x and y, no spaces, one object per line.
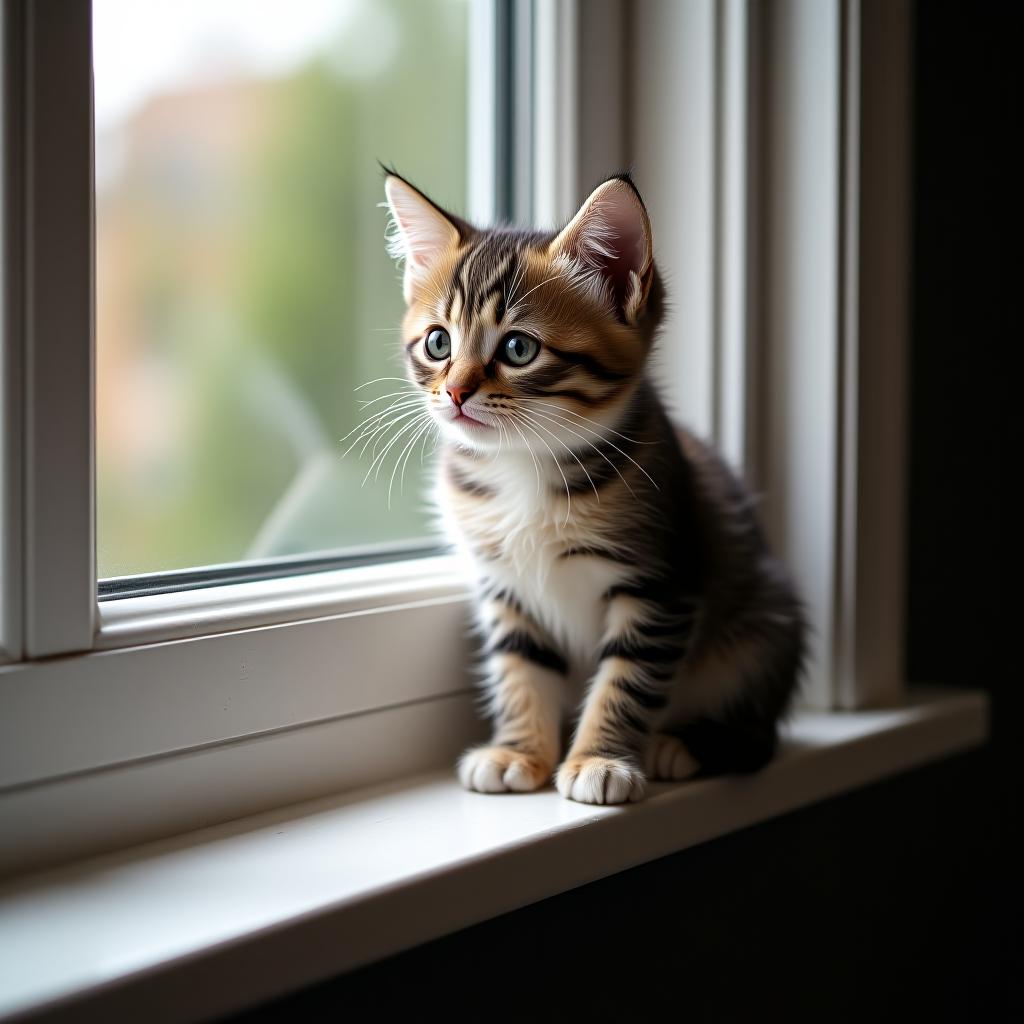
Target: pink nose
{"x":460,"y":392}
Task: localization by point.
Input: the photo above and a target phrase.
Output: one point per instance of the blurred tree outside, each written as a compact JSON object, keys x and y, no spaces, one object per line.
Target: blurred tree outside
{"x":244,"y":292}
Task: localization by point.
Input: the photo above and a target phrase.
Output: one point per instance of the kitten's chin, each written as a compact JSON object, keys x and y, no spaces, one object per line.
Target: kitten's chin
{"x":468,"y":432}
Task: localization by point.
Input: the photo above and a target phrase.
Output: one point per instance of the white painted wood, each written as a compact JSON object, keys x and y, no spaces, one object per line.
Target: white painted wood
{"x":521,"y":84}
{"x":482,"y":91}
{"x":110,"y":707}
{"x":128,"y":622}
{"x":603,"y":94}
{"x":833,"y":221}
{"x":251,"y":909}
{"x":59,"y":549}
{"x":672,"y":147}
{"x":555,"y":112}
{"x":800,"y":309}
{"x":12,"y":204}
{"x":579,"y":103}
{"x":94,"y":812}
{"x":735,"y":250}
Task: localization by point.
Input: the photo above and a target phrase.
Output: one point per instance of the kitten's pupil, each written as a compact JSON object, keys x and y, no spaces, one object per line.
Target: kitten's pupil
{"x":438,"y":344}
{"x":519,"y":349}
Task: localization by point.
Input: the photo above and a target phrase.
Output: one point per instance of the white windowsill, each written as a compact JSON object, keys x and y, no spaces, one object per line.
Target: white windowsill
{"x":226,"y":917}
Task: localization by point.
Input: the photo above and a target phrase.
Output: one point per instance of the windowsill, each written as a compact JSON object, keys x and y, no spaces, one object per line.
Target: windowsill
{"x":226,"y":917}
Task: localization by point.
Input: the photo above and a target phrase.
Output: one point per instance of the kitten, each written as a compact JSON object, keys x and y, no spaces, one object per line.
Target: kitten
{"x":623,"y":580}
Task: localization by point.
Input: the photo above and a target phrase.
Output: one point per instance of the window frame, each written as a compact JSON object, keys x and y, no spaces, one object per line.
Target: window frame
{"x":56,"y":354}
{"x":11,"y":126}
{"x":139,"y":706}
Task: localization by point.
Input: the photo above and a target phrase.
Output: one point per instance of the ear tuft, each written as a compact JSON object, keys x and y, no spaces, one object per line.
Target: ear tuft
{"x":419,"y":231}
{"x":607,"y":247}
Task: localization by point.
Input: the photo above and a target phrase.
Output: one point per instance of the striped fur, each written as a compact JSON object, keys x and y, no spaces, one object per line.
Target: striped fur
{"x":625,"y":588}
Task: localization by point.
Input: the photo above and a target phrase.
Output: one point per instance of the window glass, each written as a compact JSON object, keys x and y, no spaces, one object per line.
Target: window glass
{"x":243,"y":291}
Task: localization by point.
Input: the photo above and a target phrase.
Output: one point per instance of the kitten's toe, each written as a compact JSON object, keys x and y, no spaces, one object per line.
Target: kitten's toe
{"x":600,"y":780}
{"x":669,"y":759}
{"x":501,"y":770}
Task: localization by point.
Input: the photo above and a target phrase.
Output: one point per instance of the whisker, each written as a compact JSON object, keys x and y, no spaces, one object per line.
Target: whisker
{"x":400,"y":401}
{"x":423,"y":446}
{"x":366,"y":428}
{"x":370,"y":436}
{"x":404,"y":454}
{"x":618,"y":449}
{"x":398,"y":419}
{"x":375,"y":418}
{"x":376,"y":437}
{"x":506,"y":435}
{"x":554,"y":437}
{"x":437,"y":434}
{"x":587,"y":419}
{"x":378,"y":460}
{"x":366,"y":402}
{"x":377,"y":380}
{"x":526,"y":445}
{"x":379,"y":433}
{"x":501,"y":438}
{"x":497,"y":451}
{"x":568,"y":495}
{"x":566,"y":426}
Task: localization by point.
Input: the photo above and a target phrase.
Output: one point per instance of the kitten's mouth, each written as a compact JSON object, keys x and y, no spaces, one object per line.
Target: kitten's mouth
{"x":465,"y":420}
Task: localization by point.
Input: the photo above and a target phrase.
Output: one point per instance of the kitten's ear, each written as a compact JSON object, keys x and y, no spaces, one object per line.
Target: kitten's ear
{"x":420,"y":231}
{"x":608,"y":245}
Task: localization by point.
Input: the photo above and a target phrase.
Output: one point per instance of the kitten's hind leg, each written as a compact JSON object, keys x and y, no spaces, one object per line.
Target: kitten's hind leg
{"x":735,"y":698}
{"x":669,"y":760}
{"x":733,"y":743}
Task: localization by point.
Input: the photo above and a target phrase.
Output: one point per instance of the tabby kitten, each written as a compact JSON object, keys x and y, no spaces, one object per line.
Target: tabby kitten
{"x":624,"y":583}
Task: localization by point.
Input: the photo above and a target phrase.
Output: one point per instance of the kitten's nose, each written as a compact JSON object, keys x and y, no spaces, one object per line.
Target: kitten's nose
{"x":460,"y":392}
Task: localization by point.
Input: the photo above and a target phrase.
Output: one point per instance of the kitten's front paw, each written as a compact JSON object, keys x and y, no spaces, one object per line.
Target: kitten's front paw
{"x":501,"y":770}
{"x":600,"y":780}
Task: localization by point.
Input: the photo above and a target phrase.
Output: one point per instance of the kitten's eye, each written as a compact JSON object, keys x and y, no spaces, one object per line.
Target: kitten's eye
{"x":518,"y":349}
{"x":438,"y":344}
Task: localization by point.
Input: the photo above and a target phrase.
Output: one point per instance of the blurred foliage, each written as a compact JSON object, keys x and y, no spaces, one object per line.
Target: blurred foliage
{"x":256,"y":373}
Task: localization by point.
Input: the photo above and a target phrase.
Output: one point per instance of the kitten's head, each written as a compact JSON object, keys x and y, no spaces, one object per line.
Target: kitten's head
{"x":526,"y":339}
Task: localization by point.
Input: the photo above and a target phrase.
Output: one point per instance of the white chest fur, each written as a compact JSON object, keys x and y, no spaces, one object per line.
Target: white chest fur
{"x":518,"y":538}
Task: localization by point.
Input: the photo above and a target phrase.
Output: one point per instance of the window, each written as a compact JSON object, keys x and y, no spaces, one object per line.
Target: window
{"x":213,"y":694}
{"x":242,"y":287}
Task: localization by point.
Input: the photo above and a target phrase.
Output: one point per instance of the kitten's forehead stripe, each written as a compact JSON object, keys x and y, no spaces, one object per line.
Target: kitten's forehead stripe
{"x":496,"y":288}
{"x":497,"y":263}
{"x":455,"y":284}
{"x":479,"y":278}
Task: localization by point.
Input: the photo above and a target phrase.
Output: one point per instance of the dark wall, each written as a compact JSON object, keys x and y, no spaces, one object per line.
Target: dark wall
{"x":968,"y":277}
{"x":903,"y":900}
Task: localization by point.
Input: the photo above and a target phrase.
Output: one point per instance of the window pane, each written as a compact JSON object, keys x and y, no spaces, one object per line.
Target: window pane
{"x":243,"y":291}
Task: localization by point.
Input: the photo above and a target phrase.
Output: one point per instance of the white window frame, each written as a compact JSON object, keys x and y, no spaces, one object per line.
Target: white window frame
{"x":131,"y":719}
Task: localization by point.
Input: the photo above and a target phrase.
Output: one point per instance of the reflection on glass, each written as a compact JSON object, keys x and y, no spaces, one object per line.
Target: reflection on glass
{"x":243,"y":291}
